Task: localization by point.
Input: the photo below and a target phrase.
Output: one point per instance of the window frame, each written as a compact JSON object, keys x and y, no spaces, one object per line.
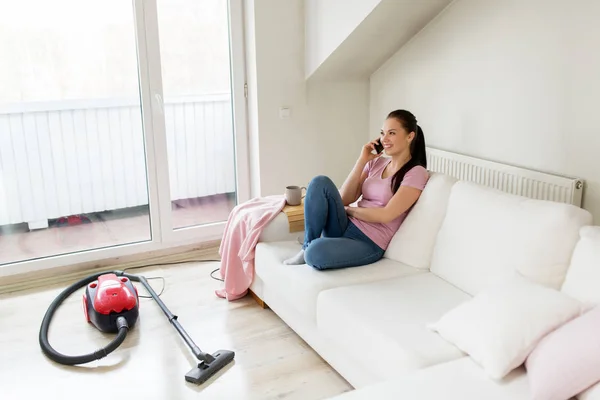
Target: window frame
{"x":163,"y":236}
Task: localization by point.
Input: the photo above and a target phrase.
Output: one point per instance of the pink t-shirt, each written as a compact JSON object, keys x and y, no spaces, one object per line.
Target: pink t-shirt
{"x":377,"y":192}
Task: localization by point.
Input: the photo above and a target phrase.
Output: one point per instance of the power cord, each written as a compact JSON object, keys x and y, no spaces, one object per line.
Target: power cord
{"x":171,"y":263}
{"x":161,"y":291}
{"x":217,"y":279}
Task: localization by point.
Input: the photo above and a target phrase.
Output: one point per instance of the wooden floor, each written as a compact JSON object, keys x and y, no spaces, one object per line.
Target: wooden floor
{"x":271,"y":362}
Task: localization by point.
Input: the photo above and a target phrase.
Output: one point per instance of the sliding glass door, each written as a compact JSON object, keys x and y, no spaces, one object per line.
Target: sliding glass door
{"x":196,"y":82}
{"x":121,"y":123}
{"x":72,"y":160}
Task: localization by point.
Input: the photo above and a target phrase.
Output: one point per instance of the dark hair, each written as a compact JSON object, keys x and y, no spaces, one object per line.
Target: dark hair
{"x":417,"y":146}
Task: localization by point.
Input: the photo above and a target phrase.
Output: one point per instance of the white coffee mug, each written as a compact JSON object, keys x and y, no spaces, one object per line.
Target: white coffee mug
{"x":293,"y":195}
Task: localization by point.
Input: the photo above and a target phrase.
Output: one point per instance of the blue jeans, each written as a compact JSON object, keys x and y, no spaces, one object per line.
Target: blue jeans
{"x":331,"y":240}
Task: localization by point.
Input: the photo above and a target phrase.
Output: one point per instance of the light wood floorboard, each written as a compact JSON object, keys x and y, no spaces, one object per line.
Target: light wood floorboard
{"x":272,"y":362}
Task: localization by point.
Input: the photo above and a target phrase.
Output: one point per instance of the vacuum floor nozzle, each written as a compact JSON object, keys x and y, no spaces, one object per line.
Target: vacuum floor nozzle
{"x":204,"y":371}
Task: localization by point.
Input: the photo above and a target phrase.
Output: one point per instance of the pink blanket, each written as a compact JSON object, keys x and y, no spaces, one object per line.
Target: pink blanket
{"x":242,"y":230}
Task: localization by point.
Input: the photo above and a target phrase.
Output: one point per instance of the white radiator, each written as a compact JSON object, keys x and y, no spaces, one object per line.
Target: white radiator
{"x":74,"y":157}
{"x":511,"y":179}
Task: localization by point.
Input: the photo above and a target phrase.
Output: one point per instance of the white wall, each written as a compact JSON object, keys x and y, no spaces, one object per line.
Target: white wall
{"x":328,"y":23}
{"x":512,"y":81}
{"x":328,"y":121}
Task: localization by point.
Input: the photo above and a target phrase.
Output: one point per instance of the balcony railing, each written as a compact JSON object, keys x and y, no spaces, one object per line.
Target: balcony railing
{"x":74,"y":157}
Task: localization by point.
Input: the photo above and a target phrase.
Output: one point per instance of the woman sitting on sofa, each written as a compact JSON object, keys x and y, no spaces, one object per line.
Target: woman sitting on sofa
{"x":337,"y":235}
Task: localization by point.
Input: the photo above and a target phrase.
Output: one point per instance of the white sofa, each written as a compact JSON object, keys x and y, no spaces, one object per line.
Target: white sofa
{"x":370,"y":323}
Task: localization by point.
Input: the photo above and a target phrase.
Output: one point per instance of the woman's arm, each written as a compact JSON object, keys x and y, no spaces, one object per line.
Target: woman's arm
{"x":351,"y":189}
{"x":404,"y":198}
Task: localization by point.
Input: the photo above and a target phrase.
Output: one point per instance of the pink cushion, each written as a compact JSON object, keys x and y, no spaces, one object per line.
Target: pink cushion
{"x":566,"y":361}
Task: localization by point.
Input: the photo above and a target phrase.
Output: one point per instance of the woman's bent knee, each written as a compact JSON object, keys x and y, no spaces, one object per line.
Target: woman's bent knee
{"x":321,"y":180}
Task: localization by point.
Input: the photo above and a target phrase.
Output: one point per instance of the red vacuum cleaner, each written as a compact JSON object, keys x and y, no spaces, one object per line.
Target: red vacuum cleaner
{"x":111,"y":304}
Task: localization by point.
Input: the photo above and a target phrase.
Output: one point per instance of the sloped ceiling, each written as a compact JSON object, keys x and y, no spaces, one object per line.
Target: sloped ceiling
{"x":390,"y":25}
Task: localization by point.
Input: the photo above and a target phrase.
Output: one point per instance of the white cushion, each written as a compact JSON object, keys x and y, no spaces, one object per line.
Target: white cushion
{"x":583,"y":277}
{"x":592,"y":393}
{"x":302,"y":283}
{"x":460,"y":379}
{"x":346,"y":364}
{"x":487,"y":234}
{"x":413,"y":242}
{"x":385,"y":323}
{"x":501,"y":325}
{"x":278,"y":230}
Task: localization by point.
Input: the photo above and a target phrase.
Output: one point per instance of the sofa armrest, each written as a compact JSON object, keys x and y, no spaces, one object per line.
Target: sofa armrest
{"x":279,"y":230}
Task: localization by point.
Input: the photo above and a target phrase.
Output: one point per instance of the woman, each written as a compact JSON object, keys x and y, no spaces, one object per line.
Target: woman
{"x":338,"y":236}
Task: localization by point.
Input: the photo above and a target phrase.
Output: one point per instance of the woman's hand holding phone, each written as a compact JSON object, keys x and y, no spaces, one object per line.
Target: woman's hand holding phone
{"x":367,"y":155}
{"x":378,"y":146}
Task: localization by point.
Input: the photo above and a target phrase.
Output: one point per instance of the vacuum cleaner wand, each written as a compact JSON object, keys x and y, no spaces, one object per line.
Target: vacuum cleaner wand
{"x":200,"y":355}
{"x":209,"y":364}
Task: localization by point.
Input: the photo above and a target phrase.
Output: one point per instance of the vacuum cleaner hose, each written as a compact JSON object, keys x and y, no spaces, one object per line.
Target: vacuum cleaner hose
{"x":54,"y":355}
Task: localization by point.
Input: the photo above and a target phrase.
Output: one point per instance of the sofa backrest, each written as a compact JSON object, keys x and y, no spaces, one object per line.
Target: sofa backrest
{"x":413,"y":242}
{"x":488,"y":235}
{"x":583,"y":276}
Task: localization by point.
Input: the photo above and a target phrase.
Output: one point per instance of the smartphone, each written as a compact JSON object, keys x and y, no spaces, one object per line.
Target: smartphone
{"x":378,"y":146}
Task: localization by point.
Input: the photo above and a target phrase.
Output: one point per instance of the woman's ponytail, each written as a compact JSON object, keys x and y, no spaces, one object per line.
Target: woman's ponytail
{"x":418,"y":149}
